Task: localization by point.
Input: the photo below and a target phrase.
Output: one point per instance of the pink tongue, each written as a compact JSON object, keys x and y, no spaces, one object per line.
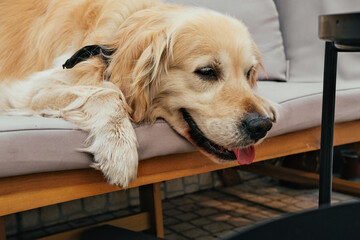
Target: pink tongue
{"x":245,"y":155}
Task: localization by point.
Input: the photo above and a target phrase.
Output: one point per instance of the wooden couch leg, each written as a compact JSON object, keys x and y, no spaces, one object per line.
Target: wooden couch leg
{"x":2,"y":228}
{"x":229,"y":177}
{"x":150,"y":201}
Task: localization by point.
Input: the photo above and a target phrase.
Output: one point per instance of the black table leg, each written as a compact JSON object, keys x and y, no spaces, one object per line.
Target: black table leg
{"x":327,"y":125}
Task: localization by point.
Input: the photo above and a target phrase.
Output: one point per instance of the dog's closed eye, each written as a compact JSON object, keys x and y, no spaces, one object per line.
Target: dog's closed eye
{"x":251,"y":70}
{"x":207,"y":73}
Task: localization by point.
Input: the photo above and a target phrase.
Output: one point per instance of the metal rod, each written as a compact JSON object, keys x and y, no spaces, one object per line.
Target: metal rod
{"x":327,"y":125}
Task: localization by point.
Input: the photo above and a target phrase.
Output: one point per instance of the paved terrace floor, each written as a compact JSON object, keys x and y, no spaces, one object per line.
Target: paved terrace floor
{"x":219,"y":212}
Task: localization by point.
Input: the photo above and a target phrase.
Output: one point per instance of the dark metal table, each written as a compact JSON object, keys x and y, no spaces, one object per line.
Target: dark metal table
{"x":331,"y":223}
{"x":342,"y":34}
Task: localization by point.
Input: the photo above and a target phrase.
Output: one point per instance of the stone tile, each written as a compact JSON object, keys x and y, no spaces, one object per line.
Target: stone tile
{"x":29,"y":219}
{"x":306,"y":204}
{"x":103,"y":217}
{"x":82,"y":222}
{"x":134,"y":196}
{"x":199,"y":197}
{"x":50,"y":215}
{"x":175,"y":236}
{"x":226,"y":233}
{"x":211,"y":203}
{"x":77,"y":216}
{"x":188,"y":207}
{"x":241,"y":211}
{"x":217,"y":227}
{"x":206,"y":211}
{"x":215,"y":194}
{"x":162,"y":190}
{"x":253,"y":208}
{"x":276,"y":204}
{"x":261,"y":199}
{"x":182,"y":227}
{"x":168,"y":221}
{"x":117,"y":200}
{"x":239,"y":221}
{"x":291,"y":208}
{"x":58,"y":228}
{"x":205,"y":180}
{"x":95,"y":204}
{"x":72,"y":207}
{"x":206,"y":238}
{"x":186,"y":216}
{"x":192,"y":188}
{"x":200,"y":221}
{"x":216,"y":180}
{"x":225,"y":207}
{"x":194,"y":233}
{"x":257,"y":216}
{"x":289,"y":200}
{"x":181,"y":201}
{"x":191,"y":179}
{"x":278,"y":196}
{"x":245,"y":176}
{"x":167,"y":231}
{"x":220,"y":217}
{"x":10,"y":224}
{"x":239,"y":204}
{"x":343,"y":197}
{"x":35,"y":234}
{"x":175,"y":194}
{"x":172,"y":212}
{"x":175,"y":185}
{"x":167,"y":205}
{"x":270,"y":213}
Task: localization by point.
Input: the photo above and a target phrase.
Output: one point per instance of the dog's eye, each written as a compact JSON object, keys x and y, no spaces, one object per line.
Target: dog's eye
{"x":207,"y":73}
{"x":248,"y":74}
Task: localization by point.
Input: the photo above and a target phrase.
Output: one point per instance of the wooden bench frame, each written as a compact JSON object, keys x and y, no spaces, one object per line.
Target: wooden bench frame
{"x":21,"y":193}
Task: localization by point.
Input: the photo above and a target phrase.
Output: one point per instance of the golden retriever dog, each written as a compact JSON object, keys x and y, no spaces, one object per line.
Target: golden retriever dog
{"x":103,"y":64}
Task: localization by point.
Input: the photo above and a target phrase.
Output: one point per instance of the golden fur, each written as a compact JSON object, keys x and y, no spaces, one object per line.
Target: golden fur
{"x":152,"y":73}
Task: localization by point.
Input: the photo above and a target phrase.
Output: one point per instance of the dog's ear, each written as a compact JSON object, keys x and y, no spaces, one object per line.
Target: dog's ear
{"x":142,"y":56}
{"x":147,"y":72}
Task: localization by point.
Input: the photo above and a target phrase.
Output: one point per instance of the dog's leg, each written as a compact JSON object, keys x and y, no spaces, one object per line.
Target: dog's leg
{"x":100,"y":110}
{"x":112,"y":139}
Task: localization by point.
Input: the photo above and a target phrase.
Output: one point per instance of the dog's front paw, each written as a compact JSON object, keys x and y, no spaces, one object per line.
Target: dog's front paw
{"x":116,"y":158}
{"x":119,"y":167}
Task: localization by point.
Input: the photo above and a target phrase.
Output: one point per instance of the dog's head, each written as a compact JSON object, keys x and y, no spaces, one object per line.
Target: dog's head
{"x":196,"y":69}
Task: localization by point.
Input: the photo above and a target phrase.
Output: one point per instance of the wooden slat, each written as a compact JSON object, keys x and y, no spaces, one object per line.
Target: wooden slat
{"x":301,"y":177}
{"x":229,"y":177}
{"x":36,"y":190}
{"x":136,"y":222}
{"x":150,"y":201}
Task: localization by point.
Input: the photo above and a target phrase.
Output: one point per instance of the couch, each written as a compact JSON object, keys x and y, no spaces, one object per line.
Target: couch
{"x":40,"y":164}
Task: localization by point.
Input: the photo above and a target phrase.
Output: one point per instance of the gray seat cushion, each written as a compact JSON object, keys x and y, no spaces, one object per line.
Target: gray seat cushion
{"x":303,"y":48}
{"x":36,"y":144}
{"x":300,"y":104}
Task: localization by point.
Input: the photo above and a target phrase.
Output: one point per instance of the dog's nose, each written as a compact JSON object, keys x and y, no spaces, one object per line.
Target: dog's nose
{"x":256,"y":125}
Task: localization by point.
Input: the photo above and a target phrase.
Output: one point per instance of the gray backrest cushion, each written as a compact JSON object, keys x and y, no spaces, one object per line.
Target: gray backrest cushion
{"x":261,"y":18}
{"x":303,"y":48}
